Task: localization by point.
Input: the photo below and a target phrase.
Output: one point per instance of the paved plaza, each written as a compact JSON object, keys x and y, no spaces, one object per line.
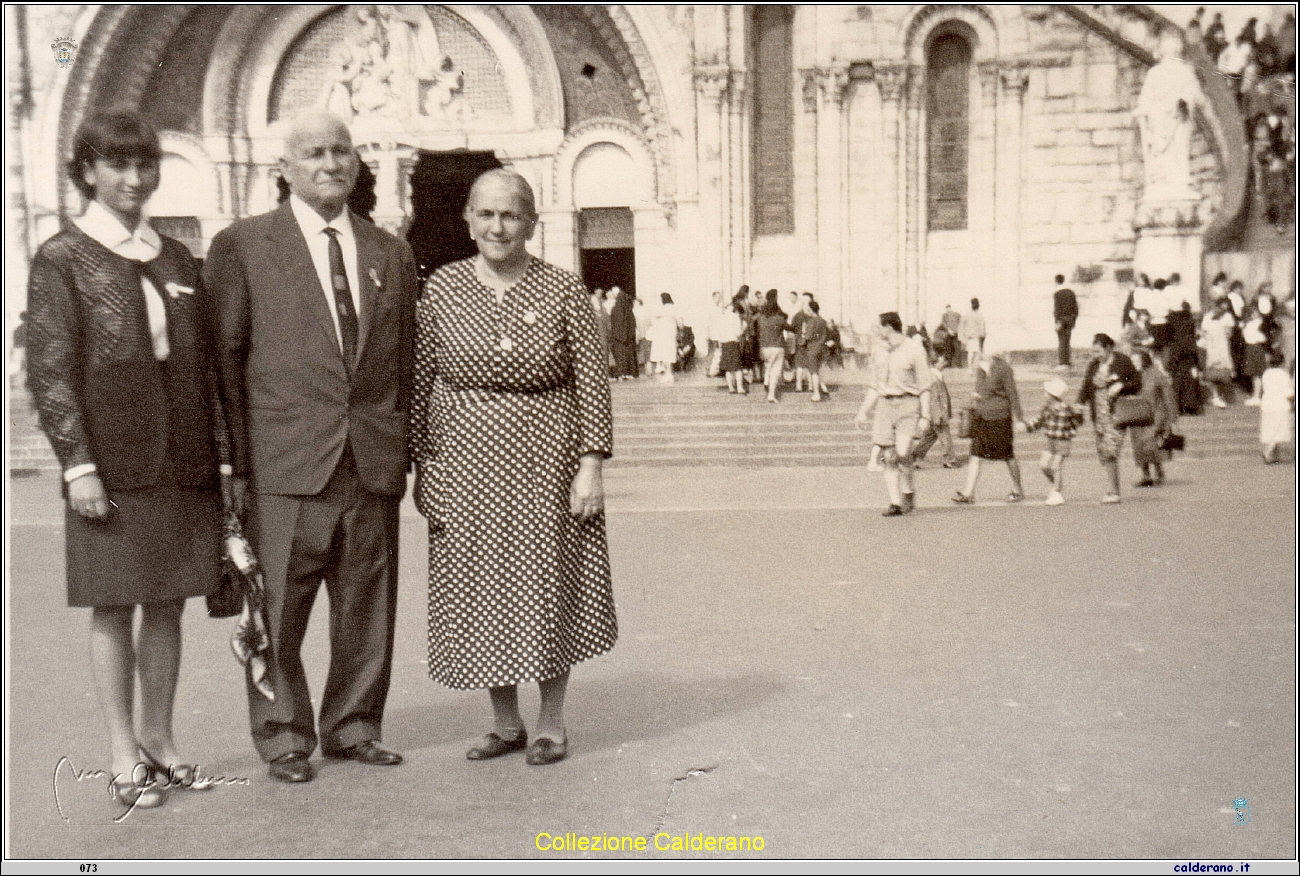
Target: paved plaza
{"x":987,"y":682}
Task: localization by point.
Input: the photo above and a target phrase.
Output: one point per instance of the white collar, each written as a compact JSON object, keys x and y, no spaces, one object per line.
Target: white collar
{"x":98,"y":223}
{"x":312,"y":223}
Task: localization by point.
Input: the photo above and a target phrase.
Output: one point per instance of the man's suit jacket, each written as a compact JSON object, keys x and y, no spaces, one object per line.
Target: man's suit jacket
{"x":292,"y":403}
{"x":1065,"y":307}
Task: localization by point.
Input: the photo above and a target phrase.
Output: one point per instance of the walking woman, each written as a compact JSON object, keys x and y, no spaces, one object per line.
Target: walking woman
{"x":996,"y":406}
{"x":1148,"y":440}
{"x":1109,"y":375}
{"x":771,"y":342}
{"x":120,"y":363}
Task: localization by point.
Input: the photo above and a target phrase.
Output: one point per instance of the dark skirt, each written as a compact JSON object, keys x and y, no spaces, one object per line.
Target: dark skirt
{"x":624,"y":359}
{"x":991,"y":439}
{"x":159,"y":544}
{"x":730,"y":358}
{"x":1256,"y":361}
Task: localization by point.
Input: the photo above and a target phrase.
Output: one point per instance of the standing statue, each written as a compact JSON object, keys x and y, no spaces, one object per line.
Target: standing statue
{"x":1166,"y":113}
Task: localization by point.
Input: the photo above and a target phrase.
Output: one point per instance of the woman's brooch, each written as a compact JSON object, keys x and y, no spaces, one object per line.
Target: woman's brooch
{"x":176,"y":290}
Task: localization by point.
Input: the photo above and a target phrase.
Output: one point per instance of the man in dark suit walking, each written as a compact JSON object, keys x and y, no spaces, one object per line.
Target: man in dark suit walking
{"x":316,"y":325}
{"x":1065,"y":311}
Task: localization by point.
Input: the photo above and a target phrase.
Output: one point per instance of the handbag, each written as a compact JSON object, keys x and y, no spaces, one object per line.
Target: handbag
{"x":1173,"y":441}
{"x":1133,"y":410}
{"x":962,"y":423}
{"x":228,"y":599}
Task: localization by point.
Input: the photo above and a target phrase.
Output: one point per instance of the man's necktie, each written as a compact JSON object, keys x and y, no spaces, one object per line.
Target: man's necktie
{"x":342,"y":299}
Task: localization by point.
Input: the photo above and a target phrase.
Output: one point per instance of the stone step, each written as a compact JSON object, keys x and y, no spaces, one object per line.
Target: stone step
{"x":697,"y":424}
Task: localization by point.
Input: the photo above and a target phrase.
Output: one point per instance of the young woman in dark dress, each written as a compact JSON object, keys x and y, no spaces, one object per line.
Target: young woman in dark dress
{"x":120,"y":365}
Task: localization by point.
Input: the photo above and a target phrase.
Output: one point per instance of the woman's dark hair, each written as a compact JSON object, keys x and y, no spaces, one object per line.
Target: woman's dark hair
{"x":737,"y":306}
{"x":891,"y":319}
{"x":665,"y":298}
{"x":813,"y":305}
{"x":974,"y":304}
{"x":744,"y":290}
{"x":1105,"y":340}
{"x":770,"y":307}
{"x":1159,"y":285}
{"x":114,"y":135}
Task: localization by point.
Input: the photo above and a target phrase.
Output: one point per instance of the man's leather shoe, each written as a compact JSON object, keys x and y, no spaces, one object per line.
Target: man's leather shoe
{"x":545,"y":751}
{"x":369,"y":752}
{"x":494,"y":746}
{"x":291,"y":767}
{"x":893,"y":511}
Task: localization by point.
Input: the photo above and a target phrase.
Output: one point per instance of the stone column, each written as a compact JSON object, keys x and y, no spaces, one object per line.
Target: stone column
{"x":560,"y":238}
{"x":1010,"y":186}
{"x":714,"y":253}
{"x":388,"y":212}
{"x":891,"y":79}
{"x":832,"y":81}
{"x":738,"y":223}
{"x":914,"y":231}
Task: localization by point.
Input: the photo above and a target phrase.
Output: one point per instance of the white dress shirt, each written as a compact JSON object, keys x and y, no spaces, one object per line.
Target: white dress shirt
{"x":318,"y":243}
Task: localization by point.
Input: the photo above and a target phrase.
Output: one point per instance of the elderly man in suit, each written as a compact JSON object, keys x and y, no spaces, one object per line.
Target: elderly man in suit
{"x":316,"y":325}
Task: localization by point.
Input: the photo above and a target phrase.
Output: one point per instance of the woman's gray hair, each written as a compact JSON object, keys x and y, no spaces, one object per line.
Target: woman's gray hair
{"x":513,"y":177}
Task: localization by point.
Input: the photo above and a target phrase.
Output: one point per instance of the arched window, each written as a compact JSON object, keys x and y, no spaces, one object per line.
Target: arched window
{"x":772,"y":174}
{"x":947,"y":130}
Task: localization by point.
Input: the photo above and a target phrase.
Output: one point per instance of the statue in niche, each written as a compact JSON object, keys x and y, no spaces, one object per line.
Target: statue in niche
{"x":1166,"y":115}
{"x":394,"y":67}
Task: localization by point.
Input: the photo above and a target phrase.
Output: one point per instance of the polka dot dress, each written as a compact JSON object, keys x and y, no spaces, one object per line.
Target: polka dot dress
{"x":506,"y":399}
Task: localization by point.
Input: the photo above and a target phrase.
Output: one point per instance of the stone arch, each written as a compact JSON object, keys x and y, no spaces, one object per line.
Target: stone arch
{"x":618,"y":27}
{"x":973,"y":22}
{"x":236,"y":97}
{"x":612,"y":131}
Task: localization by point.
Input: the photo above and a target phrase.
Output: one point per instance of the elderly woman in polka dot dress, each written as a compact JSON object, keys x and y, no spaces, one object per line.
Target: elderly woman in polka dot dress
{"x":510,"y":426}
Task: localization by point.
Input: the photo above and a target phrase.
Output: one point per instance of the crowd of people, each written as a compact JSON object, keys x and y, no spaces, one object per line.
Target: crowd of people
{"x":1164,"y":365}
{"x":738,"y":338}
{"x":1260,"y":69}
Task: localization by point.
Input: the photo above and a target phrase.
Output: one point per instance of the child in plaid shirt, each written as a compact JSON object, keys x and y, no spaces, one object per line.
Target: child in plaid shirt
{"x":1059,"y":420}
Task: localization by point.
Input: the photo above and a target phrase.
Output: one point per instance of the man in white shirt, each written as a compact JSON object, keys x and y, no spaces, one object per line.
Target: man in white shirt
{"x":902,"y":392}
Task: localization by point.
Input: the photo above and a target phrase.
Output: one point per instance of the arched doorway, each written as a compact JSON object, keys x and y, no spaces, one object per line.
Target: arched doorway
{"x":440,"y":183}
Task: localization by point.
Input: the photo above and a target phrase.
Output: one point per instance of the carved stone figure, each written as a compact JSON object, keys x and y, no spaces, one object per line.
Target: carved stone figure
{"x":394,"y":67}
{"x":1166,"y":113}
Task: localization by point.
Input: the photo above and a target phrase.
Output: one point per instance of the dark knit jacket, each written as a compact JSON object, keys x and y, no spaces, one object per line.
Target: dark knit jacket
{"x":101,"y":395}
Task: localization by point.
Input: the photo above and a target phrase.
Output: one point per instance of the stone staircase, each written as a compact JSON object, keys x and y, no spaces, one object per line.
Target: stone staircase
{"x":701,"y":424}
{"x":695,"y":422}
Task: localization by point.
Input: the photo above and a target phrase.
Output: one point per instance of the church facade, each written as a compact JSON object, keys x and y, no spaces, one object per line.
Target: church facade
{"x":881,"y":157}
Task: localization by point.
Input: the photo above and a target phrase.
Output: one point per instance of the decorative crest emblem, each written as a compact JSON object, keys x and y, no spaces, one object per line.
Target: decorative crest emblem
{"x":64,"y":51}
